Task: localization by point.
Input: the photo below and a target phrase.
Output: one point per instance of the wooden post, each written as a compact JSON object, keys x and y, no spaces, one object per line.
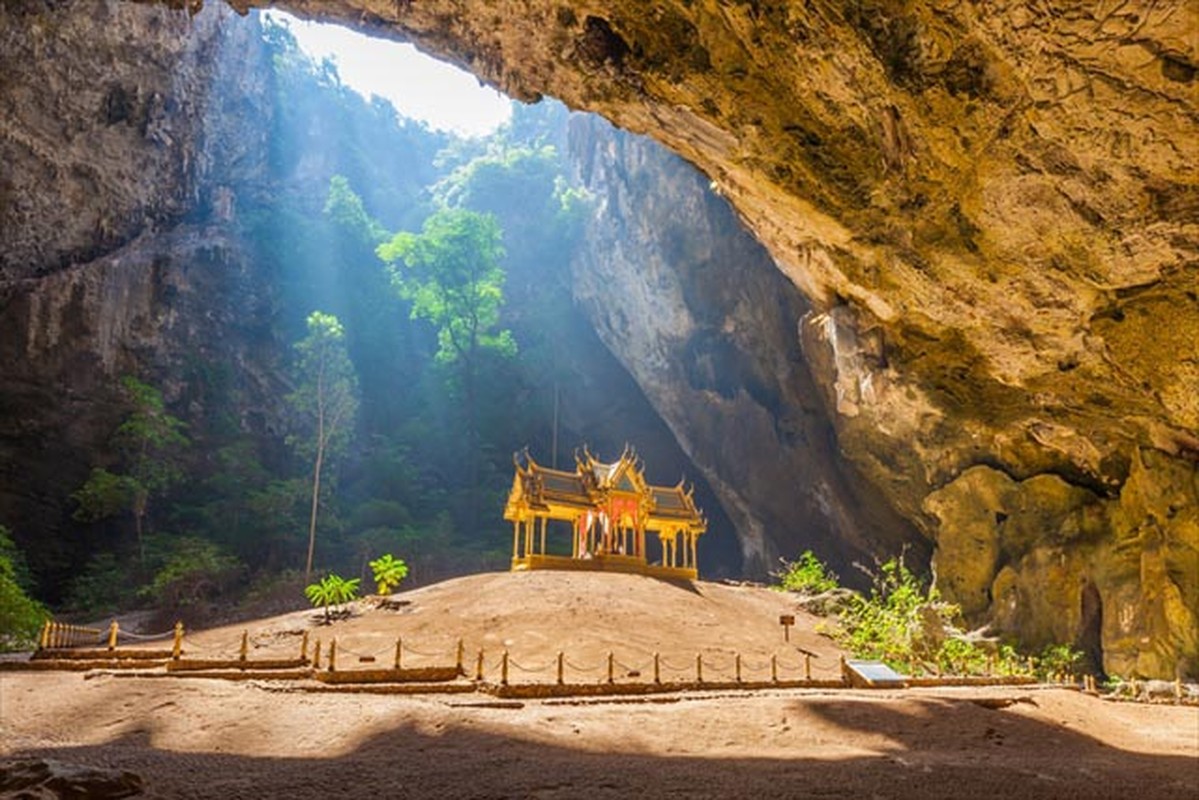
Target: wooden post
{"x":990,"y":666}
{"x":845,"y":671}
{"x":479,"y":667}
{"x":399,"y":651}
{"x":304,"y":647}
{"x":460,"y":658}
{"x":560,"y":676}
{"x":807,"y":666}
{"x":333,"y":654}
{"x":504,"y":669}
{"x":611,"y":668}
{"x":113,"y":629}
{"x":245,"y":646}
{"x":44,"y":639}
{"x":737,"y":663}
{"x":316,"y":655}
{"x":774,"y":668}
{"x":657,"y":670}
{"x":699,"y":667}
{"x":1177,"y":688}
{"x":177,"y":647}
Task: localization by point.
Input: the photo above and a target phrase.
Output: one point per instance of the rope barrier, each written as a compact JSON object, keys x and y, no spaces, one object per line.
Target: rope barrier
{"x":531,"y":670}
{"x":145,"y":637}
{"x":630,"y":670}
{"x":577,"y":668}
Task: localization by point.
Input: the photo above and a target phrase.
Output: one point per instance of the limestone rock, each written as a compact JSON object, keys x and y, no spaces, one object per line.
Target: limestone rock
{"x":697,"y":312}
{"x":991,"y":209}
{"x":48,"y":778}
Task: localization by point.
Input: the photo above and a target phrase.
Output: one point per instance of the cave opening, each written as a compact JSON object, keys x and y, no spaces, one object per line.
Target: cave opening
{"x":1090,"y":631}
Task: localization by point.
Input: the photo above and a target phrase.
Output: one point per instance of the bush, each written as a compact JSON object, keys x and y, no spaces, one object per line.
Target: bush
{"x":807,"y":574}
{"x":103,"y":586}
{"x":21,"y":617}
{"x":1058,"y":659}
{"x":331,"y":590}
{"x":388,"y":572}
{"x":195,"y":572}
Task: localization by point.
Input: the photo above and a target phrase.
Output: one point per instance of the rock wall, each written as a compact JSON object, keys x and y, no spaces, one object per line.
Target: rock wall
{"x":991,"y":208}
{"x":118,"y":255}
{"x":702,"y":319}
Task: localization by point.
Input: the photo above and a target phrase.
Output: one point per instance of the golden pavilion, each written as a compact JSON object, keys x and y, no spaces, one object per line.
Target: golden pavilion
{"x":603,"y":517}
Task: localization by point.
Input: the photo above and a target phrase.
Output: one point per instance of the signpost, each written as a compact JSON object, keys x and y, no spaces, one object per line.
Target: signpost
{"x":786,"y":620}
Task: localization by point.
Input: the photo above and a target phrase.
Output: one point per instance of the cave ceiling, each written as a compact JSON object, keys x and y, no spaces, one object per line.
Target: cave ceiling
{"x":1002,"y":195}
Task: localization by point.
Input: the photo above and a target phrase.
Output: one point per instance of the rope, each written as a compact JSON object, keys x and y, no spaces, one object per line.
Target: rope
{"x":144,"y":637}
{"x":513,"y":663}
{"x":577,"y":668}
{"x":422,"y":653}
{"x":341,"y":648}
{"x":662,"y":662}
{"x":628,"y":669}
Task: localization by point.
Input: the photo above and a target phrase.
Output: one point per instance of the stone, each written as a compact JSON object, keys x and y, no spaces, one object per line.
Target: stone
{"x":49,"y":778}
{"x":990,"y":211}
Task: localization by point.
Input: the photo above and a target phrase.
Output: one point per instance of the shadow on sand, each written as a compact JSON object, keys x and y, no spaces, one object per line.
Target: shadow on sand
{"x":931,"y":748}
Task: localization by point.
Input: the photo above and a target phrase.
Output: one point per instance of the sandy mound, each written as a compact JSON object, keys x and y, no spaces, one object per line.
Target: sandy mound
{"x":534,"y":615}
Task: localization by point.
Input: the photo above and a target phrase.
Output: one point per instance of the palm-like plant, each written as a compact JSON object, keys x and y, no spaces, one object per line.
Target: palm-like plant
{"x":331,"y":590}
{"x":388,"y":572}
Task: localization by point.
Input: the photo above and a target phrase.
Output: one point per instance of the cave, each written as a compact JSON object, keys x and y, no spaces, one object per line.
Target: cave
{"x":1090,"y":631}
{"x":949,"y":214}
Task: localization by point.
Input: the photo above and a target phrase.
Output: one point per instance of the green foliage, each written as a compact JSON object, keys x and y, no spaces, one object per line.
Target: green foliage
{"x":806,"y":574}
{"x":196,"y":571}
{"x":104,"y":494}
{"x":345,"y":209}
{"x":325,"y":398}
{"x":325,"y":402}
{"x":450,"y":273}
{"x":150,"y":442}
{"x":21,"y":617}
{"x":889,"y":625}
{"x":388,"y":571}
{"x":102,"y":586}
{"x":331,"y":590}
{"x":901,"y":622}
{"x":1058,"y":659}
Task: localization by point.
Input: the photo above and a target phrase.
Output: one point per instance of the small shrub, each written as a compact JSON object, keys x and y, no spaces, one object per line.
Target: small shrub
{"x":331,"y":590}
{"x":1058,"y":659}
{"x":388,"y":572}
{"x":21,"y":617}
{"x":806,"y":574}
{"x":196,"y":572}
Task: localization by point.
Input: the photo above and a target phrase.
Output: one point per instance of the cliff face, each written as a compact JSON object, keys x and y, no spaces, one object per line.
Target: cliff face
{"x":698,"y":313}
{"x":116,"y":255}
{"x":990,"y":208}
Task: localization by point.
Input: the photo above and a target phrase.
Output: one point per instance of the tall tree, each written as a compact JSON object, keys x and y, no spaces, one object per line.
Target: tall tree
{"x":326,"y":402}
{"x":450,"y":272}
{"x":150,"y":442}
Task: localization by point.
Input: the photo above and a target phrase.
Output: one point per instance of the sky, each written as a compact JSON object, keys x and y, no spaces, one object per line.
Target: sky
{"x":418,"y":86}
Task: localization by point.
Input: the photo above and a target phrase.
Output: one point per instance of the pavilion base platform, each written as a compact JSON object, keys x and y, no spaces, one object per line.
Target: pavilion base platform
{"x":603,"y":563}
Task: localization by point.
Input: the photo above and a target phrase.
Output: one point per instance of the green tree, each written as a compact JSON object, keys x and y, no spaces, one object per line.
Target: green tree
{"x":325,"y":401}
{"x":150,"y":442}
{"x":21,"y":616}
{"x":450,"y":272}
